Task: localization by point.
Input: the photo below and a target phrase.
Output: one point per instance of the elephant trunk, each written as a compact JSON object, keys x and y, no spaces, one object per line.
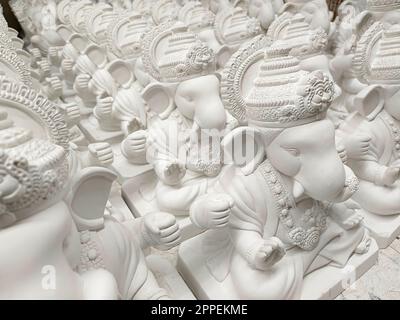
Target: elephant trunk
{"x":211,"y":114}
{"x":350,"y":187}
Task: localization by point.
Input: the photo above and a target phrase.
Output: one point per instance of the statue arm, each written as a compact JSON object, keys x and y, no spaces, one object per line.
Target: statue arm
{"x":158,"y":229}
{"x":248,"y":218}
{"x":157,"y":148}
{"x":246,"y":243}
{"x":365,"y":150}
{"x":54,"y":56}
{"x":164,"y":156}
{"x":81,"y":84}
{"x":135,"y":227}
{"x":371,"y":171}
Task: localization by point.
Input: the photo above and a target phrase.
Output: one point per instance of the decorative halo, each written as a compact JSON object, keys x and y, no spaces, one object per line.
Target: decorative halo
{"x":63,"y":9}
{"x":98,"y":20}
{"x":232,"y":89}
{"x":364,"y":51}
{"x":118,"y":31}
{"x":279,"y":25}
{"x":78,"y":15}
{"x":17,"y":96}
{"x":223,"y":18}
{"x":149,"y":42}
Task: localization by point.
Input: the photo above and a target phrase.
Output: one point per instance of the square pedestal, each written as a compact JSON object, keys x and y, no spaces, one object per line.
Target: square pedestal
{"x":325,"y":283}
{"x":139,"y":195}
{"x":168,"y":278}
{"x":90,"y":128}
{"x":123,"y":168}
{"x":384,"y":229}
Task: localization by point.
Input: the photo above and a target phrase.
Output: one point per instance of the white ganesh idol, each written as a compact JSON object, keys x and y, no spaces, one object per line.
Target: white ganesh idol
{"x":288,"y":235}
{"x":144,"y":7}
{"x":46,"y":25}
{"x":164,"y":10}
{"x":52,"y":213}
{"x":113,"y":92}
{"x":234,"y":28}
{"x":316,"y":13}
{"x":184,"y":138}
{"x":370,"y":136}
{"x":265,"y":11}
{"x":200,"y":20}
{"x":124,"y":37}
{"x":304,"y":33}
{"x":343,"y":45}
{"x":224,"y":32}
{"x":300,"y":30}
{"x":97,"y":22}
{"x":384,"y":11}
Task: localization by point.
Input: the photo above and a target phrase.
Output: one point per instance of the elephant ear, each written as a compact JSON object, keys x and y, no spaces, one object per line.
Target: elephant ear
{"x":64,"y":32}
{"x":89,"y":196}
{"x":277,"y":5}
{"x":78,"y":42}
{"x":96,"y":54}
{"x":370,"y":101}
{"x":121,"y":73}
{"x":244,"y":147}
{"x":160,"y":98}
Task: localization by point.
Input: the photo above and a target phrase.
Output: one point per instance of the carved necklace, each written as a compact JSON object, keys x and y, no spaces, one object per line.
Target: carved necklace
{"x":90,"y":257}
{"x":306,"y":239}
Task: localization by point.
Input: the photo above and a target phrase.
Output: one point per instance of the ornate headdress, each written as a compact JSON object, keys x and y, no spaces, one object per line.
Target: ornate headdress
{"x":63,"y":10}
{"x":11,"y":63}
{"x":165,"y":10}
{"x":144,"y":7}
{"x":78,"y":14}
{"x":377,"y":56}
{"x":294,"y":33}
{"x":268,"y":89}
{"x":232,"y":27}
{"x":195,"y":16}
{"x":84,"y":65}
{"x":34,"y":164}
{"x":98,"y":21}
{"x":173,"y":54}
{"x":124,"y":35}
{"x":383,"y":5}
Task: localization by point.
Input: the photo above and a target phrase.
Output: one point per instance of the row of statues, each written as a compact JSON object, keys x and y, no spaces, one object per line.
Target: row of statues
{"x":261,"y":137}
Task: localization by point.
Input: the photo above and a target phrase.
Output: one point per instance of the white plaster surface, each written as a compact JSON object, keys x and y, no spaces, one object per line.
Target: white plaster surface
{"x":139,"y":195}
{"x":384,"y":229}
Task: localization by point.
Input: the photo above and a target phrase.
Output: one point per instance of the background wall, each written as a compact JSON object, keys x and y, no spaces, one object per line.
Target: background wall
{"x":8,"y":14}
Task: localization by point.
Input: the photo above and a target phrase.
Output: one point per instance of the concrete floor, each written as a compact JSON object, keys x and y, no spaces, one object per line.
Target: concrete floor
{"x":381,"y":282}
